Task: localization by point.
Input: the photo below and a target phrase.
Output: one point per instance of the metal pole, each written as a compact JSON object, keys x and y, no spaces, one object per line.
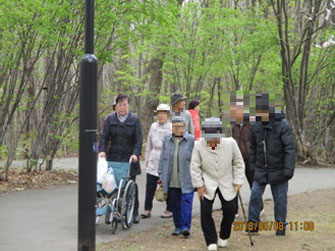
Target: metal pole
{"x":245,"y":218}
{"x":87,"y":137}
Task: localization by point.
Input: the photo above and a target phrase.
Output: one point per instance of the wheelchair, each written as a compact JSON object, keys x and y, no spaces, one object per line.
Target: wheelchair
{"x":118,"y":205}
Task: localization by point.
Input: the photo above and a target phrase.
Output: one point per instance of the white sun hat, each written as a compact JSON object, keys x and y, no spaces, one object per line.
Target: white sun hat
{"x":163,"y":107}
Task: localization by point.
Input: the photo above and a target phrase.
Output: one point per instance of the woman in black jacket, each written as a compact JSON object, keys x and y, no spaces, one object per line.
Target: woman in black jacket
{"x":123,"y":130}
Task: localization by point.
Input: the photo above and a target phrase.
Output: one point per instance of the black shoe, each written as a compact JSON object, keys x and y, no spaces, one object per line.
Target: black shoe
{"x":136,"y":218}
{"x":176,"y":232}
{"x":186,"y":232}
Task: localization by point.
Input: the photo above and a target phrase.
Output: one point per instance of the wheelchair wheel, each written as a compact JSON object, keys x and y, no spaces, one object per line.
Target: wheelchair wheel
{"x":128,"y":204}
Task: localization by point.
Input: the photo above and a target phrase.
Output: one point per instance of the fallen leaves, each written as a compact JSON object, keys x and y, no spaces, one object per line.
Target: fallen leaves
{"x":20,"y":179}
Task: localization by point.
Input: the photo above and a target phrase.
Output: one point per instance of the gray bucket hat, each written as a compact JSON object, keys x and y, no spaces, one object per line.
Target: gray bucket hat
{"x":175,"y":97}
{"x":212,"y":128}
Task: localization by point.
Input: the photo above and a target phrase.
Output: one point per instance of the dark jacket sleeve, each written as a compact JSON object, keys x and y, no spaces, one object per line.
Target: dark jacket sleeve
{"x":289,"y":149}
{"x":253,"y":149}
{"x":105,"y":135}
{"x":137,"y":138}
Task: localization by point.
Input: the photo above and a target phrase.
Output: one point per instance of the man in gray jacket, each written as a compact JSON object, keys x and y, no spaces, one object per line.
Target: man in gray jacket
{"x":175,"y":176}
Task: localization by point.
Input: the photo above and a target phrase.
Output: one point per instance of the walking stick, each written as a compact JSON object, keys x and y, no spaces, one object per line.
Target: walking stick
{"x":245,"y":218}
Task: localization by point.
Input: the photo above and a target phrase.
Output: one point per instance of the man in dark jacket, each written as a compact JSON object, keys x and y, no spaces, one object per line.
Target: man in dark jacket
{"x":123,"y":130}
{"x":272,"y":156}
{"x":240,"y":131}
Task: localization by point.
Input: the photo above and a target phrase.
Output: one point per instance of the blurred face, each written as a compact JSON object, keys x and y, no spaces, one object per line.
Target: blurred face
{"x":236,"y":112}
{"x":197,"y":108}
{"x":178,"y":129}
{"x":264,"y":114}
{"x":162,"y":117}
{"x":213,"y":142}
{"x":180,"y":105}
{"x":122,"y":107}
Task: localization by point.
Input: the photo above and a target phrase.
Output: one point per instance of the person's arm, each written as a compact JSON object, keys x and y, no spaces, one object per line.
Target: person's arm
{"x":253,"y":150}
{"x":197,"y":172}
{"x":149,"y":145}
{"x":190,"y":124}
{"x":287,"y":140}
{"x":137,"y":139}
{"x":238,"y":166}
{"x":196,"y":167}
{"x":105,"y":136}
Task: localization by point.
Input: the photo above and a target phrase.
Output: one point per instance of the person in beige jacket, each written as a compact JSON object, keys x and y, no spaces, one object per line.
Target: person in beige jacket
{"x":157,"y":132}
{"x":217,"y":167}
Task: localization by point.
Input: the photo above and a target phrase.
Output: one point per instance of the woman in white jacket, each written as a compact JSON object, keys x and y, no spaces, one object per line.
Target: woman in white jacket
{"x":157,"y":132}
{"x":217,"y":167}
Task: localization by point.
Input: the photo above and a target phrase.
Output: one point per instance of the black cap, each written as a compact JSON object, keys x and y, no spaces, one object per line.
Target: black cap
{"x":193,"y":104}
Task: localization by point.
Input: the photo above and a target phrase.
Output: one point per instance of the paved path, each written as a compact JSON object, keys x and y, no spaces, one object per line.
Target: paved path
{"x":46,"y":219}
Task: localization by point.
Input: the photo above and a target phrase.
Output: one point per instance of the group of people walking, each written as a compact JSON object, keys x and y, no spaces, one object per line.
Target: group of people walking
{"x":183,"y":156}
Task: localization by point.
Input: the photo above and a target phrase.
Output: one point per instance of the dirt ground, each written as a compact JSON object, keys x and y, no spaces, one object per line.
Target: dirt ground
{"x":20,"y":179}
{"x":317,"y":207}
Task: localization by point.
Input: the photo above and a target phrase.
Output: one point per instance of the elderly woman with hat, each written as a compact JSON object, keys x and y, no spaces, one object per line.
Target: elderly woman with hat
{"x":217,"y":168}
{"x":178,"y":102}
{"x":157,"y":132}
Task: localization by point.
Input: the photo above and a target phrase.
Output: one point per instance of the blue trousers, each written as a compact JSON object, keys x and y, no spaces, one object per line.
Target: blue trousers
{"x":181,"y":206}
{"x":279,"y":193}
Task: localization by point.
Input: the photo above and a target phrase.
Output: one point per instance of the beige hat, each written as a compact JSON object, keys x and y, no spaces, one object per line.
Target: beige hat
{"x":163,"y":107}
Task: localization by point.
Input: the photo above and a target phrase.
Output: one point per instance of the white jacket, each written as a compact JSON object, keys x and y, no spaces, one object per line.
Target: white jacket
{"x":154,"y":145}
{"x":219,"y":168}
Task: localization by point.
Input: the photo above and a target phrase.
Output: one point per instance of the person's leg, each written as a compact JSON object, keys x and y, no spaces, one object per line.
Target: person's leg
{"x":168,"y":204}
{"x":168,"y":211}
{"x":255,"y":202}
{"x":229,"y":211}
{"x":279,"y":193}
{"x":175,"y":203}
{"x":207,"y":222}
{"x":150,"y":191}
{"x":186,"y":210}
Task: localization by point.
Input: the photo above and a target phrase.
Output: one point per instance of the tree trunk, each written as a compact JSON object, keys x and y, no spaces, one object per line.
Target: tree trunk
{"x":151,"y":101}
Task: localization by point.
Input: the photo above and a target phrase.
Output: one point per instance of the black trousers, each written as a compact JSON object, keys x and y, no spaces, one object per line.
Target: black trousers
{"x":137,"y":204}
{"x":151,"y":187}
{"x":207,"y":222}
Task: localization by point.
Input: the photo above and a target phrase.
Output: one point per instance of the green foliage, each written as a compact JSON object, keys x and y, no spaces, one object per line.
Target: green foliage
{"x":201,"y":46}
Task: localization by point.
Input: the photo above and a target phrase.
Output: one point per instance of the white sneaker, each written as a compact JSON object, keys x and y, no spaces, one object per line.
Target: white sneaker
{"x":212,"y":247}
{"x":261,"y":213}
{"x":222,"y":243}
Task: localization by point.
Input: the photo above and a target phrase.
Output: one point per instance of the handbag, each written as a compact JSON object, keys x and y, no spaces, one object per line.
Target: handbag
{"x":160,"y":195}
